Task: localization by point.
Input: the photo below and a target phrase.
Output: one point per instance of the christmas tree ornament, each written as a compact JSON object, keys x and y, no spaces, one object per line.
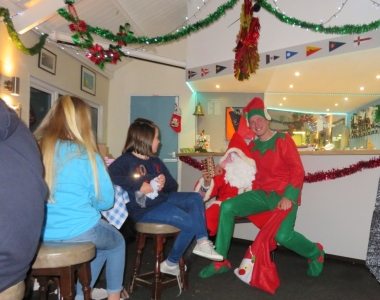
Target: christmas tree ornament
{"x":175,"y":121}
{"x":246,"y":54}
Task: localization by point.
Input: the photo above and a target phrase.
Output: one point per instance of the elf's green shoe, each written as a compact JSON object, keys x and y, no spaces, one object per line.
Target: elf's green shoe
{"x":216,"y":267}
{"x":316,"y":266}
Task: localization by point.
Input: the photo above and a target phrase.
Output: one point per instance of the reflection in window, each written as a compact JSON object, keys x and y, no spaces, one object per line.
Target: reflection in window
{"x":94,"y":121}
{"x":40,"y":103}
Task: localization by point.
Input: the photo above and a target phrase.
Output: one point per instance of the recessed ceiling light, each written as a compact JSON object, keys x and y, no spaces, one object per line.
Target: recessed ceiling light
{"x":336,"y":104}
{"x":328,"y":109}
{"x":362,"y":88}
{"x":378,"y":76}
{"x":297,"y":74}
{"x":217,"y":86}
{"x":280,"y":104}
{"x":346,"y":98}
{"x":291,"y":86}
{"x":284,"y":98}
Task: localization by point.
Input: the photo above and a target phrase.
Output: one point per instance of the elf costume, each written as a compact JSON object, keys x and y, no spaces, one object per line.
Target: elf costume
{"x":280,"y":173}
{"x":237,"y":176}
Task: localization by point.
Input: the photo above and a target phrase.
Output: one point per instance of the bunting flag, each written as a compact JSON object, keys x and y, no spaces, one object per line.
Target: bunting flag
{"x":269,"y":58}
{"x":290,"y":54}
{"x":358,"y":40}
{"x":335,"y":45}
{"x":311,"y":50}
{"x":219,"y":69}
{"x":191,"y":74}
{"x":204,"y":72}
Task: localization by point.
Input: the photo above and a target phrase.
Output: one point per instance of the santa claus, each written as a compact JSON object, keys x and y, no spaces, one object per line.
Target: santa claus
{"x":238,"y":175}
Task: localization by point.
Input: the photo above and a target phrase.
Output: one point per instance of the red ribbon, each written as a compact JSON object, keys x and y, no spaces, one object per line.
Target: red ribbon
{"x":81,"y":26}
{"x":96,"y":54}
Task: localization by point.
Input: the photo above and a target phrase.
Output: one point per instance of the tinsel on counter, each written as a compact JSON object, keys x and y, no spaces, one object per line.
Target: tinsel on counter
{"x":339,"y":173}
{"x":247,"y":57}
{"x":373,"y":251}
{"x":312,"y":177}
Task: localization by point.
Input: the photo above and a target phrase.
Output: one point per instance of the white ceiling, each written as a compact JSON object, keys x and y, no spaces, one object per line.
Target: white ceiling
{"x":322,"y":82}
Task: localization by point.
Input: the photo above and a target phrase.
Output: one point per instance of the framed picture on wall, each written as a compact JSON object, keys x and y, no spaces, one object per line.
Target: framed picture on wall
{"x":235,"y":121}
{"x":233,"y":115}
{"x":47,"y":61}
{"x":88,"y":81}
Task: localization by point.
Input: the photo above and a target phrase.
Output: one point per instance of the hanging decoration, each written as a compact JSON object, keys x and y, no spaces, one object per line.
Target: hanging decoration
{"x":311,"y":177}
{"x":298,"y":122}
{"x":14,"y":36}
{"x":247,"y":57}
{"x":176,"y":119}
{"x":82,"y":38}
{"x":341,"y":30}
{"x":340,"y":8}
{"x":181,"y":33}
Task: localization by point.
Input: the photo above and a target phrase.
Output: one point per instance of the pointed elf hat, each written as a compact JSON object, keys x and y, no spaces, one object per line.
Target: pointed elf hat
{"x":256,"y":107}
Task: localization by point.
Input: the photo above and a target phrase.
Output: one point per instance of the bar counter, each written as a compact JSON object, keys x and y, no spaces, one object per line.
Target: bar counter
{"x":336,"y":213}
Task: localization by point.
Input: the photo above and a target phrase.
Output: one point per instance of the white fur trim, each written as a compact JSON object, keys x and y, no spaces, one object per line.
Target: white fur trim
{"x":239,"y":152}
{"x":209,"y":191}
{"x":267,"y":116}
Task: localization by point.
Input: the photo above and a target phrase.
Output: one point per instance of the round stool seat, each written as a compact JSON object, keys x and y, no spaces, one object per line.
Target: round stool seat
{"x":156,"y":228}
{"x":55,"y":255}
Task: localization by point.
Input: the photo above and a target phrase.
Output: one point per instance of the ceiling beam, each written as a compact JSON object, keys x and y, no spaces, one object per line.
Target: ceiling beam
{"x":37,"y":14}
{"x":59,"y":36}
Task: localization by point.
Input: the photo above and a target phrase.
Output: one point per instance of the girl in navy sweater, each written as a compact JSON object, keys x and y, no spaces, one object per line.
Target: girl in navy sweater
{"x":153,"y":196}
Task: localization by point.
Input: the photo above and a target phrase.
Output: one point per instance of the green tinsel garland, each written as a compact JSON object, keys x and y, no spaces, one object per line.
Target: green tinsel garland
{"x":183,"y":32}
{"x":14,"y":36}
{"x":341,"y":30}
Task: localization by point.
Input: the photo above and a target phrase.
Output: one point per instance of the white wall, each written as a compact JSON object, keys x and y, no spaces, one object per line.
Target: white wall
{"x":13,"y":62}
{"x":147,"y":78}
{"x":215,"y":44}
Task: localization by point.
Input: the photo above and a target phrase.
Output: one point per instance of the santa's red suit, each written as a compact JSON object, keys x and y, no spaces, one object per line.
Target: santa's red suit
{"x":238,"y":175}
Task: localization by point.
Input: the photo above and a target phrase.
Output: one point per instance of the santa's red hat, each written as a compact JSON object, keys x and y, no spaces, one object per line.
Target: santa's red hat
{"x":239,"y":146}
{"x":256,"y":107}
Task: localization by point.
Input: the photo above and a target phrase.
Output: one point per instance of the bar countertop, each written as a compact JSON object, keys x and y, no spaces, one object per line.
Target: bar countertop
{"x":333,"y":152}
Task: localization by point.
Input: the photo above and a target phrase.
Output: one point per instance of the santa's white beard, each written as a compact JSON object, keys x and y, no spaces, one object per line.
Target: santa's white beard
{"x":239,"y":174}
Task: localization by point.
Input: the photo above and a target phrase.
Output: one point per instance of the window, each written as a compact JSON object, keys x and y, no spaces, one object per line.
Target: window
{"x":42,"y":97}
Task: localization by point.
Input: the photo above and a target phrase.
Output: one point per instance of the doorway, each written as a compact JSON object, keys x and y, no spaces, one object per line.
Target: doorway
{"x":159,"y":109}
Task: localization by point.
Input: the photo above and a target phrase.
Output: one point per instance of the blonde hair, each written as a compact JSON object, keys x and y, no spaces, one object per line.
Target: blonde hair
{"x":69,"y":119}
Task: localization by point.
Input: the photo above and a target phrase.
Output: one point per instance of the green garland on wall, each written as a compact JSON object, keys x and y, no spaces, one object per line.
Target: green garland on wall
{"x":341,"y":30}
{"x":14,"y":36}
{"x":186,"y":30}
{"x":183,"y":32}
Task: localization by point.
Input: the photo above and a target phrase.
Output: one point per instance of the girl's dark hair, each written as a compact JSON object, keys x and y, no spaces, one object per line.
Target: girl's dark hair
{"x":140,"y":137}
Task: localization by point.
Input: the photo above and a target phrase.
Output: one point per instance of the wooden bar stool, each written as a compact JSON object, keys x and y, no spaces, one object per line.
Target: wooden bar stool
{"x":63,"y":260}
{"x":154,"y":280}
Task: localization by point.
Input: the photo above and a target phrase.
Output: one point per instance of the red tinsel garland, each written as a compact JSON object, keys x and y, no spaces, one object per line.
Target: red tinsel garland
{"x":309,"y":177}
{"x":191,"y":162}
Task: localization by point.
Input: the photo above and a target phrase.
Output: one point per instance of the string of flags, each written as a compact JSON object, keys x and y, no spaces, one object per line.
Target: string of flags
{"x":345,"y":44}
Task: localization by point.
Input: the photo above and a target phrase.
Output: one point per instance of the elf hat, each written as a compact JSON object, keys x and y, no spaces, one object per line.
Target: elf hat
{"x":256,"y":107}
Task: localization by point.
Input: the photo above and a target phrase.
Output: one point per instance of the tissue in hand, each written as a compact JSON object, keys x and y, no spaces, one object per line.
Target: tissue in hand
{"x":155,"y":186}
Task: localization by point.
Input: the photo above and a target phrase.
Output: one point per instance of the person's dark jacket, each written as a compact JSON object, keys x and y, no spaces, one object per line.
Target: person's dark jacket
{"x":22,"y":198}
